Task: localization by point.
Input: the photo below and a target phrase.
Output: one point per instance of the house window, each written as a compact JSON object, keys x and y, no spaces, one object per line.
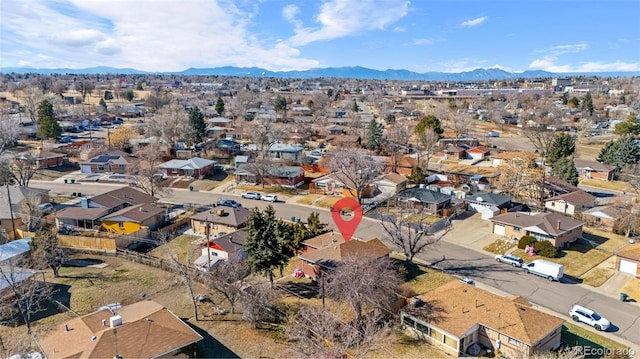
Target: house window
{"x":450,"y":341}
{"x":514,"y":342}
{"x":409,"y":321}
{"x":121,"y":225}
{"x":423,"y":328}
{"x":174,"y":170}
{"x":516,"y":229}
{"x":100,"y":168}
{"x":598,"y":219}
{"x":553,"y":204}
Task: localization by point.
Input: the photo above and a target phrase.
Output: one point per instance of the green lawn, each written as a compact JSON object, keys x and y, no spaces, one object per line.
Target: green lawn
{"x":574,"y":335}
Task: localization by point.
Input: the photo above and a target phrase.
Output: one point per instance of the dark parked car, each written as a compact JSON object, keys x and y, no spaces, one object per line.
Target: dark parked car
{"x":229,"y":203}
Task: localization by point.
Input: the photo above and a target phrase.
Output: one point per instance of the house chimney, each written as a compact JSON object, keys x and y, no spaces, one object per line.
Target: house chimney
{"x":84,"y":202}
{"x":558,"y":225}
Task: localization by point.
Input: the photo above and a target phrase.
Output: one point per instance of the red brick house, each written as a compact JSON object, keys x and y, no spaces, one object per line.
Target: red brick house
{"x":453,"y":152}
{"x":322,"y":253}
{"x":596,"y":170}
{"x":194,"y":167}
{"x":110,"y":162}
{"x":46,"y":159}
{"x":478,"y":152}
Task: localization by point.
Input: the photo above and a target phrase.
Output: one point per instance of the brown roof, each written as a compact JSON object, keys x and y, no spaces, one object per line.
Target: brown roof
{"x":233,"y":217}
{"x":631,"y":251}
{"x":555,"y":184}
{"x":577,"y":198}
{"x":465,"y":306}
{"x":395,"y":178}
{"x":335,"y":253}
{"x":81,"y":213}
{"x":453,"y":148}
{"x":148,"y":330}
{"x":596,"y":166}
{"x":537,"y":221}
{"x":120,"y":196}
{"x":138,"y":213}
{"x":335,"y":139}
{"x":324,"y":240}
{"x":114,"y":157}
{"x":41,"y":155}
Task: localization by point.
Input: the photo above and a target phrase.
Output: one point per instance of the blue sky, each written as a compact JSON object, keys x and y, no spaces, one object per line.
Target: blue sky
{"x":421,"y":36}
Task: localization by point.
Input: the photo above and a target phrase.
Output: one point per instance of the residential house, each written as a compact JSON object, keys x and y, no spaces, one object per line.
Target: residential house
{"x":313,"y":262}
{"x":286,"y":152}
{"x":220,"y":248}
{"x":571,"y":204}
{"x":336,"y":130}
{"x":554,"y":186}
{"x":391,"y":183}
{"x":219,"y":220}
{"x":338,"y":184}
{"x":344,"y":141}
{"x":81,"y":217}
{"x":117,"y":199}
{"x":193,"y":167}
{"x":220,"y":121}
{"x":424,"y":199}
{"x":240,"y":160}
{"x":605,"y":217}
{"x":301,"y":110}
{"x":488,"y":203}
{"x":144,"y":329}
{"x":12,"y":200}
{"x":628,"y":259}
{"x":558,"y":229}
{"x":111,"y":162}
{"x":404,"y":166}
{"x":478,"y":152}
{"x":453,"y":152}
{"x":45,"y":159}
{"x":596,"y":170}
{"x":295,"y":138}
{"x":226,"y":147}
{"x":284,"y":176}
{"x":468,"y":319}
{"x":134,"y":218}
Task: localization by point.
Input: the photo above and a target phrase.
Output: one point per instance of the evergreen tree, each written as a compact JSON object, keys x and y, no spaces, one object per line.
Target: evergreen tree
{"x":196,"y":118}
{"x":417,"y":175}
{"x":374,"y":135}
{"x":565,"y":98}
{"x":354,"y":106}
{"x":587,"y":103}
{"x":630,"y":126}
{"x":565,"y":169}
{"x":562,"y":147}
{"x":108,"y":95}
{"x":220,"y":106}
{"x":281,"y":105}
{"x":429,"y":122}
{"x":265,"y":251}
{"x":48,"y":128}
{"x":622,"y":152}
{"x":103,"y":104}
{"x":314,"y":225}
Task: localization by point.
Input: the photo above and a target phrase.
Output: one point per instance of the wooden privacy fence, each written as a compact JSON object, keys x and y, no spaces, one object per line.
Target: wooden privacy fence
{"x":160,"y":263}
{"x":99,"y":244}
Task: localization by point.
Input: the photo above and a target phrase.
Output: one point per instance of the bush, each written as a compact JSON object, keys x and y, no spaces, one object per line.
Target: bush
{"x":526,"y":241}
{"x":545,"y":249}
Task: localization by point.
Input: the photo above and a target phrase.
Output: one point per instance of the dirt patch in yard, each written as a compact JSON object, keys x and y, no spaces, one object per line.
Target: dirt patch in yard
{"x":499,"y":246}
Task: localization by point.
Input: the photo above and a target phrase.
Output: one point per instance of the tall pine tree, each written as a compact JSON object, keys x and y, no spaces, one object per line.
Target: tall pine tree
{"x":624,"y":151}
{"x":563,"y":146}
{"x":196,"y":118}
{"x":565,"y":169}
{"x":266,"y":245}
{"x":374,"y":135}
{"x":48,"y":128}
{"x":219,"y":106}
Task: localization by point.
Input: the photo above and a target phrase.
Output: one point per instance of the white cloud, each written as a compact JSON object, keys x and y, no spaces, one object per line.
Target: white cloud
{"x":565,"y":49}
{"x":474,"y":22}
{"x":420,"y":42}
{"x":595,"y":66}
{"x":168,"y":36}
{"x":340,"y":18}
{"x":290,"y":13}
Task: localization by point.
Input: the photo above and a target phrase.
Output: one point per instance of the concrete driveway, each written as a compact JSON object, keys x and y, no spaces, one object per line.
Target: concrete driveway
{"x":471,"y":231}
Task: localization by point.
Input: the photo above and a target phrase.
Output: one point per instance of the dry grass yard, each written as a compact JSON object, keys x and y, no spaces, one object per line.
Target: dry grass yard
{"x":499,"y":246}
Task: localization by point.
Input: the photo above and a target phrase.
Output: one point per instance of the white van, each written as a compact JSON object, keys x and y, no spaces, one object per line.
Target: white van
{"x":551,"y":271}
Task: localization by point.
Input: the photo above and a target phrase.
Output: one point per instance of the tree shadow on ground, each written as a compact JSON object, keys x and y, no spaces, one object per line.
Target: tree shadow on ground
{"x":303,"y":290}
{"x":210,"y":347}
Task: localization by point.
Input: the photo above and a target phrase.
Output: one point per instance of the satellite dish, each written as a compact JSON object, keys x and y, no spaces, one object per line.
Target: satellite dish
{"x":479,"y":199}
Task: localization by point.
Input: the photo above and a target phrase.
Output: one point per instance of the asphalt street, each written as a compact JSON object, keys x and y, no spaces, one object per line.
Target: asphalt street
{"x":458,"y":260}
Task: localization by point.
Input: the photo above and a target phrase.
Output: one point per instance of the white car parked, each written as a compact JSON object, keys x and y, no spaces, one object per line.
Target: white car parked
{"x":588,"y":316}
{"x":269,"y":198}
{"x":251,"y":195}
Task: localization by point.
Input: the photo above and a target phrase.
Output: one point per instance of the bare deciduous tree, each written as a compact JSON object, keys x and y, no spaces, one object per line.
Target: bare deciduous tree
{"x":427,"y":144}
{"x":397,"y":140}
{"x":171,"y":123}
{"x":521,"y":178}
{"x":408,"y":230}
{"x":316,"y":332}
{"x":375,"y":285}
{"x":31,"y":97}
{"x":355,"y":167}
{"x":259,"y":303}
{"x":46,"y":252}
{"x":19,"y":169}
{"x":9,"y":130}
{"x":146,"y":173}
{"x":23,"y":294}
{"x":30,"y":212}
{"x":228,"y":278}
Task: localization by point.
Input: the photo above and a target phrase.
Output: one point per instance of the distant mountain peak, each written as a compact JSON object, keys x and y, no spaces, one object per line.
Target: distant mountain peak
{"x":357,"y":72}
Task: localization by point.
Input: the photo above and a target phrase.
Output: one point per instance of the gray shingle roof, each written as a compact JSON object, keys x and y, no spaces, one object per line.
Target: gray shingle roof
{"x":424,"y":195}
{"x":488,"y":198}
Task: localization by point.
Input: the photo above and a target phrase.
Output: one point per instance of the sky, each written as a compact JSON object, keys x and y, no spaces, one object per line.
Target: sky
{"x":277,"y":35}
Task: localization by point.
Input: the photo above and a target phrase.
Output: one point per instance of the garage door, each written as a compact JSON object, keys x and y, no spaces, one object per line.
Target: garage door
{"x":628,"y":267}
{"x":498,"y":229}
{"x":85,"y":169}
